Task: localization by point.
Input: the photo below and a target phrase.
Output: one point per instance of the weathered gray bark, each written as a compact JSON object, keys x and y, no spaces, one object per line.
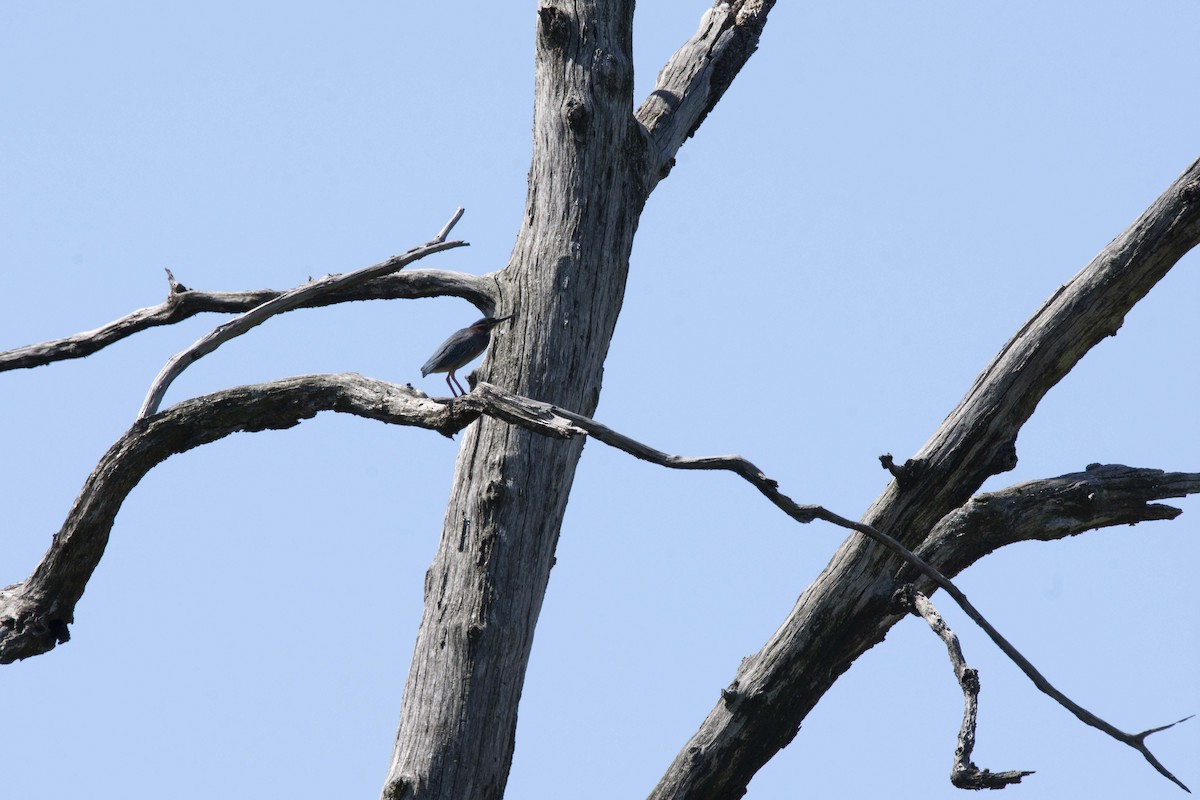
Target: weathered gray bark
{"x":564,"y":284}
{"x":594,"y":163}
{"x":182,"y":303}
{"x":964,"y":774}
{"x":848,"y":608}
{"x":35,"y":613}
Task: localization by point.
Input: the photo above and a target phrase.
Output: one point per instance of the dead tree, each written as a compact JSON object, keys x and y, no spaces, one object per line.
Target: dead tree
{"x":596,"y":159}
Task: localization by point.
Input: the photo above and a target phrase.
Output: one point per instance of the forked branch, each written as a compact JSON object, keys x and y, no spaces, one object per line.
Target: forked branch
{"x":1136,"y":511}
{"x":696,"y":77}
{"x":34,"y":614}
{"x":838,"y":617}
{"x":184,"y":303}
{"x":285,"y":302}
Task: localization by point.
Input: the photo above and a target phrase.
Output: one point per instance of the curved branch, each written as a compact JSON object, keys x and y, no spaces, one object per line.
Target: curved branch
{"x":183,"y":303}
{"x":35,"y":613}
{"x":1053,"y":508}
{"x":844,"y":612}
{"x":964,"y":774}
{"x":1127,"y":492}
{"x":696,"y":77}
{"x":978,"y":439}
{"x":285,"y":302}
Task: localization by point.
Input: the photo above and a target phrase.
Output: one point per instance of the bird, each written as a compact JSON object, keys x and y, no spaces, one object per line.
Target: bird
{"x":460,"y":349}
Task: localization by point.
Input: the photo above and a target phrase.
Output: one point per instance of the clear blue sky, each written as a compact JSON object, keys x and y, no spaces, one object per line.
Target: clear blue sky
{"x":886,"y":193}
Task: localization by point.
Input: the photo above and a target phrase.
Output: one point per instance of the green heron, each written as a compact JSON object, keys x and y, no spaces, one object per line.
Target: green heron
{"x":460,"y":349}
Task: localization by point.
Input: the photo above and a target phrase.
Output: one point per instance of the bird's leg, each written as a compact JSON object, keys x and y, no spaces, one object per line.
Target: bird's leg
{"x":450,"y":375}
{"x":461,"y":391}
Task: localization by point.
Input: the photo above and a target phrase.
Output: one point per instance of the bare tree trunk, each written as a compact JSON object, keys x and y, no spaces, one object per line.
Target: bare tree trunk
{"x":595,"y":161}
{"x":564,"y":284}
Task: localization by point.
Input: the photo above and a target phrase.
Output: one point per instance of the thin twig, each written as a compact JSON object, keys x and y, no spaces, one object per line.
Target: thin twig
{"x":355,"y":394}
{"x":301,"y":294}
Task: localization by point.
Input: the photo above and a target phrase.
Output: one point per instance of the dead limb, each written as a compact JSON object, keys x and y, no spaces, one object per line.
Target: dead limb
{"x":184,"y":303}
{"x":696,"y":76}
{"x":964,"y":774}
{"x":1052,"y":508}
{"x":840,"y":615}
{"x":285,"y":302}
{"x":34,"y":614}
{"x":1135,"y":509}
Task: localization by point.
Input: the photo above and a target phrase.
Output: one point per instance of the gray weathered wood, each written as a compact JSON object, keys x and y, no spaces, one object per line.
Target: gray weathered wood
{"x":1102,"y":495}
{"x":595,"y":162}
{"x":845,"y":611}
{"x":564,"y":284}
{"x":593,"y":167}
{"x":696,"y":76}
{"x":35,"y":614}
{"x":286,"y":301}
{"x":964,"y":774}
{"x":183,"y":303}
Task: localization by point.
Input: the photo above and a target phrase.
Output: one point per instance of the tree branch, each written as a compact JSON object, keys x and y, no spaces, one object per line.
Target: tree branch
{"x":696,"y":77}
{"x":34,"y":614}
{"x":844,"y":612}
{"x":449,"y":226}
{"x":1128,"y":491}
{"x":978,"y":439}
{"x":1054,"y":508}
{"x":285,"y":302}
{"x":964,"y":774}
{"x":183,"y":303}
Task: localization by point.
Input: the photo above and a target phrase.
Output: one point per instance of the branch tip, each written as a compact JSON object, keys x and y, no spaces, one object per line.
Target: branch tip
{"x":278,"y":304}
{"x":441,"y":237}
{"x":175,"y":287}
{"x":1153,"y":731}
{"x":964,"y":774}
